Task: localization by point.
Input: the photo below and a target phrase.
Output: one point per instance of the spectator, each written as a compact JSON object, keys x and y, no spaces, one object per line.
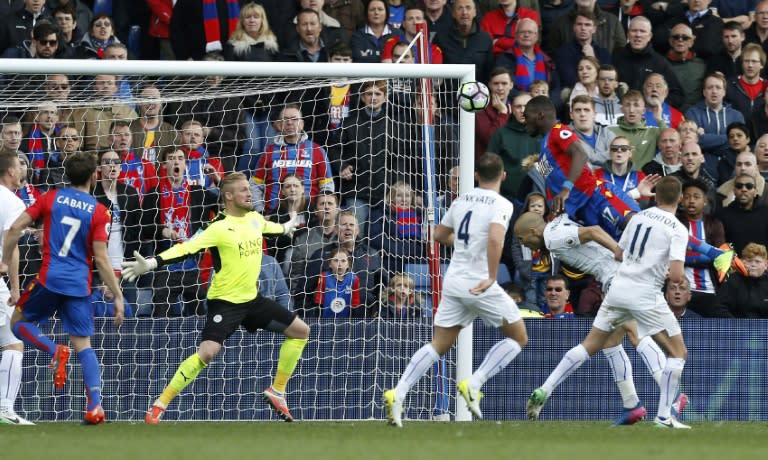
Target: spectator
{"x":327,"y":21}
{"x":11,"y":134}
{"x":740,"y":11}
{"x":743,"y":296}
{"x":70,"y":34}
{"x":693,"y":168}
{"x":198,"y":29}
{"x":758,"y":120}
{"x":607,"y":103}
{"x":39,"y":141}
{"x":413,"y":16}
{"x":401,"y":300}
{"x":655,"y":92}
{"x":341,"y":97}
{"x":557,"y":305}
{"x":100,"y":35}
{"x":123,"y":204}
{"x":314,"y":42}
{"x":272,"y":283}
{"x":252,"y":39}
{"x":57,"y":90}
{"x":497,"y":113}
{"x":338,"y":289}
{"x":68,"y":142}
{"x":150,"y":132}
{"x":707,"y":27}
{"x":633,"y":126}
{"x":29,"y":244}
{"x":597,"y":138}
{"x":667,"y":161}
{"x":439,"y":18}
{"x":366,"y":264}
{"x":512,"y":143}
{"x":501,"y":22}
{"x":587,"y":82}
{"x":758,"y":31}
{"x":350,"y":13}
{"x":158,"y":43}
{"x":45,"y":44}
{"x":532,"y":268}
{"x":310,"y":239}
{"x":677,"y":296}
{"x":609,"y":34}
{"x":539,"y":88}
{"x":368,"y":41}
{"x":699,"y":263}
{"x":397,"y":229}
{"x":761,"y":152}
{"x":619,"y":169}
{"x":582,"y":45}
{"x":465,"y":42}
{"x":637,"y":59}
{"x":82,"y":15}
{"x":745,"y":221}
{"x":686,"y":65}
{"x":728,"y":60}
{"x":290,"y":152}
{"x":738,"y":143}
{"x":97,"y":120}
{"x":17,"y":27}
{"x":526,"y":55}
{"x":293,"y":201}
{"x":135,"y":170}
{"x":202,"y":168}
{"x":746,"y":163}
{"x":689,"y":131}
{"x":745,"y":92}
{"x":712,"y":116}
{"x":173,"y":212}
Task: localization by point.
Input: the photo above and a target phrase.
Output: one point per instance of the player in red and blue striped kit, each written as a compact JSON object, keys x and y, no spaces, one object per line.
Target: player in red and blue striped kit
{"x":76,"y":229}
{"x":571,"y":185}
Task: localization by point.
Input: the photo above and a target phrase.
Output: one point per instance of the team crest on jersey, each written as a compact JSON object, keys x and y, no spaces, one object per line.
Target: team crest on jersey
{"x":565,"y":134}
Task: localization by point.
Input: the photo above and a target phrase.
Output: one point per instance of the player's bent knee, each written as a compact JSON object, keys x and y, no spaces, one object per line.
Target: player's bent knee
{"x":298,"y":329}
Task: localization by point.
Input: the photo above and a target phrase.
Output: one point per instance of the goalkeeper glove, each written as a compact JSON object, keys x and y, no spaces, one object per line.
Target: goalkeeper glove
{"x":290,"y":226}
{"x":134,"y":269}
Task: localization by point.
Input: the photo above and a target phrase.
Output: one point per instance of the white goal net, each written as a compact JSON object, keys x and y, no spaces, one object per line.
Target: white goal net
{"x":364,"y":153}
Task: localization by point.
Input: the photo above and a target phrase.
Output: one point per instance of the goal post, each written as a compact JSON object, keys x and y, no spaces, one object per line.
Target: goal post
{"x":22,"y":91}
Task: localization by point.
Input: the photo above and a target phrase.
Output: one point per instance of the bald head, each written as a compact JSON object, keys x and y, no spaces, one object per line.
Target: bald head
{"x":529,"y":229}
{"x":746,"y":163}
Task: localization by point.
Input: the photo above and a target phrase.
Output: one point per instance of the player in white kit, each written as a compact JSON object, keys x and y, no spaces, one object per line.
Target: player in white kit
{"x":653,"y":245}
{"x":10,"y":364}
{"x":475,"y":226}
{"x":592,"y":250}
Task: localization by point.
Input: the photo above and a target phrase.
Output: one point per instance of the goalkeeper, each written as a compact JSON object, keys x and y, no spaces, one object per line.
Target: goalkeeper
{"x":235,"y":239}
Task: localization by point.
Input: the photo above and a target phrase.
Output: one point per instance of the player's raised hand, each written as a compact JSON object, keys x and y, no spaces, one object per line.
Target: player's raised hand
{"x":646,"y":185}
{"x":134,"y":269}
{"x":558,"y":202}
{"x":290,"y":226}
{"x":482,"y":286}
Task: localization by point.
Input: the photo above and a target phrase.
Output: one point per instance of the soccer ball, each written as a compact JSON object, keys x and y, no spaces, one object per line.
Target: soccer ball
{"x":473,"y":96}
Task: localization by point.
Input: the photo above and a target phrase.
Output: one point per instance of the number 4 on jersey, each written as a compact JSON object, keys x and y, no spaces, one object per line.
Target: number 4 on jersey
{"x":463,"y":232}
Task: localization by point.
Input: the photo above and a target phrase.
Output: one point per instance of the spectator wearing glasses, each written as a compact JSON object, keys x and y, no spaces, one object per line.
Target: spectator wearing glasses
{"x":745,"y":92}
{"x":66,"y":19}
{"x":618,"y":170}
{"x":686,"y":65}
{"x":100,"y":35}
{"x":556,"y":305}
{"x":745,"y":221}
{"x":43,"y":45}
{"x":706,"y":25}
{"x":68,"y":142}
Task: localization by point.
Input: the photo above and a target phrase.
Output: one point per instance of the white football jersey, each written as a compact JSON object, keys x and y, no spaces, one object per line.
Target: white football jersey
{"x":10,"y":210}
{"x":469,"y":216}
{"x":652,"y":239}
{"x":561,"y":236}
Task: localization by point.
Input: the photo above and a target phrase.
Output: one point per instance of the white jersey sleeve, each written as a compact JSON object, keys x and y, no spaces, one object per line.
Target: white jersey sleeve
{"x":11,"y":209}
{"x":561,"y":237}
{"x":470,"y":217}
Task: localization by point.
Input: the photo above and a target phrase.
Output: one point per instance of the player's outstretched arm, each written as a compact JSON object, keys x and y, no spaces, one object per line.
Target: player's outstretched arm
{"x":107,"y":275}
{"x":496,"y":234}
{"x":444,"y":235}
{"x":133,"y":269}
{"x":601,"y":237}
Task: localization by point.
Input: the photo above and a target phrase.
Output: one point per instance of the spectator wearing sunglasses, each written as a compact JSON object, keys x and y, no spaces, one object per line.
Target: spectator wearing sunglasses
{"x":745,"y":220}
{"x":68,"y":142}
{"x":556,"y":304}
{"x":44,"y":44}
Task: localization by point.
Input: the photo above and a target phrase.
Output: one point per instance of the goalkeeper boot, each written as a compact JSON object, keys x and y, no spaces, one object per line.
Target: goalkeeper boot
{"x":471,"y":397}
{"x":631,"y":416}
{"x":59,"y":366}
{"x":670,"y":422}
{"x":394,"y":408}
{"x":277,"y":401}
{"x":679,"y":405}
{"x":535,"y":403}
{"x":154,"y":414}
{"x":94,"y":416}
{"x":10,"y":417}
{"x":723,"y":262}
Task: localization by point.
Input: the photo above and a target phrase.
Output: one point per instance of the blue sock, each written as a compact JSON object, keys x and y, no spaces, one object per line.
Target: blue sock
{"x":91,"y":376}
{"x":703,"y":247}
{"x":31,"y":335}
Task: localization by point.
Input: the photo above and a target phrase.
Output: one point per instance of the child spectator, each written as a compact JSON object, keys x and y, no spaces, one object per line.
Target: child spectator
{"x":402,"y":300}
{"x":338,"y":289}
{"x":538,"y":88}
{"x":533,"y":267}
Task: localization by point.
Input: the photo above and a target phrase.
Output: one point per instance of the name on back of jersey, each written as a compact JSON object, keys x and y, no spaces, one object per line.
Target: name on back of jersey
{"x":75,"y":203}
{"x":671,"y":222}
{"x":480,"y":199}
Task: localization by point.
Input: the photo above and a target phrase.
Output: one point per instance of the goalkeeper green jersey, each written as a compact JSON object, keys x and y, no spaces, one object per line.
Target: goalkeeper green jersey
{"x":236,"y":245}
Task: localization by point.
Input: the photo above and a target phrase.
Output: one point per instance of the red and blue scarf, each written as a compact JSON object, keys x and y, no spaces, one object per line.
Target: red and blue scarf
{"x":211,"y":22}
{"x":408,"y":223}
{"x":523,"y":79}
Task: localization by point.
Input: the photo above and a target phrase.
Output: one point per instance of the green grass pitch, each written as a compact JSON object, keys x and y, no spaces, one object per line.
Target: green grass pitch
{"x":370,"y":440}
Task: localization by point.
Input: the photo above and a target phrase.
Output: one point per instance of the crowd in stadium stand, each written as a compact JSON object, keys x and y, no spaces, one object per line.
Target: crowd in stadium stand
{"x":651,"y":87}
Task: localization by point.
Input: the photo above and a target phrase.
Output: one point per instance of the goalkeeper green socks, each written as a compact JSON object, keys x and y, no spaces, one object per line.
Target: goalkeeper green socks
{"x":185,"y":374}
{"x":290,"y":352}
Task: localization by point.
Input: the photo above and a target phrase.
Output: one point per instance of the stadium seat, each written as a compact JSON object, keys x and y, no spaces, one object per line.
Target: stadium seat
{"x":134,"y":41}
{"x":102,"y":7}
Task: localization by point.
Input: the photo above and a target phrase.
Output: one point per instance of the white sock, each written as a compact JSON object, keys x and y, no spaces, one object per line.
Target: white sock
{"x":670,"y":384}
{"x":621,"y":368}
{"x":498,"y":357}
{"x":421,"y":362}
{"x":653,"y":357}
{"x":10,"y":378}
{"x":572,"y":360}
